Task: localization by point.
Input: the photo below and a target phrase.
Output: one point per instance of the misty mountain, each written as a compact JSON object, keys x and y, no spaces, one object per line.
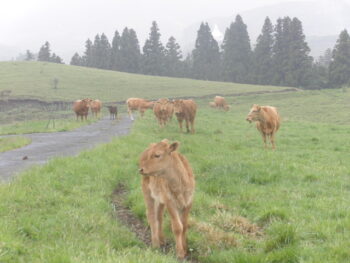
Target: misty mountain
{"x":322,"y":22}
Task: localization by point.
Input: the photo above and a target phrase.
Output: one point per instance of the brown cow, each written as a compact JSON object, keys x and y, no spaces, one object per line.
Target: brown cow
{"x":138,"y":104}
{"x":185,"y":110}
{"x":167,"y":181}
{"x":163,"y":110}
{"x":212,"y":104}
{"x":221,"y":103}
{"x":81,"y":108}
{"x":95,"y":106}
{"x":113,"y":111}
{"x":267,"y":121}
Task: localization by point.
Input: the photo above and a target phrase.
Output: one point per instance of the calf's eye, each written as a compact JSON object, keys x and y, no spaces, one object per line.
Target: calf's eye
{"x":156,"y":156}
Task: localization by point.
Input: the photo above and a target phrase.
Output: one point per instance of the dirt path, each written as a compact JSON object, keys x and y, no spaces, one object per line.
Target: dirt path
{"x":46,"y":146}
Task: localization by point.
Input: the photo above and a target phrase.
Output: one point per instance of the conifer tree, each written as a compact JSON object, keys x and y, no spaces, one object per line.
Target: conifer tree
{"x":281,"y":50}
{"x":206,"y":55}
{"x":115,"y":51}
{"x":105,"y":52}
{"x":299,"y":62}
{"x":237,"y":54}
{"x":44,"y":52}
{"x":339,"y":68}
{"x":153,"y":53}
{"x":87,"y":59}
{"x":96,"y":53}
{"x":76,"y":60}
{"x":129,"y":54}
{"x":262,"y":57}
{"x":29,"y":55}
{"x":173,"y":57}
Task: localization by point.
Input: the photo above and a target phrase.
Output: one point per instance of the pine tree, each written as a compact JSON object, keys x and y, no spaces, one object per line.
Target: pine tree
{"x":281,"y":50}
{"x":76,"y":60}
{"x":262,"y":57}
{"x":129,"y":54}
{"x":105,"y":52}
{"x":29,"y":55}
{"x":237,"y":54}
{"x":326,"y":59}
{"x":153,"y":53}
{"x":299,"y":62}
{"x":173,"y":55}
{"x":206,"y":55}
{"x":87,"y":59}
{"x":115,"y":50}
{"x":44,"y":52}
{"x":96,"y":53}
{"x":339,"y":68}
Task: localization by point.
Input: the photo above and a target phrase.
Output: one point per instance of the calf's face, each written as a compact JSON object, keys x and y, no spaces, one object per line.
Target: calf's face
{"x":254,"y":113}
{"x":156,"y":159}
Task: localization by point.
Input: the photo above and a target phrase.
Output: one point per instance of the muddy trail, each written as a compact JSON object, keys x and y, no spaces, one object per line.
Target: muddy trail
{"x":46,"y":146}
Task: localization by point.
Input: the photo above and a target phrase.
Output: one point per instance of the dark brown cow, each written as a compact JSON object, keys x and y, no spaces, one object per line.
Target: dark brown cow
{"x":185,"y":110}
{"x":81,"y":108}
{"x":138,"y":104}
{"x":113,"y":111}
{"x":95,"y":107}
{"x":267,"y":121}
{"x":167,"y":181}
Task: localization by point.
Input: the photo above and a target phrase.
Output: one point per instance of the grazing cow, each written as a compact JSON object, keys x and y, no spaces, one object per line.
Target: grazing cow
{"x":185,"y":110}
{"x":95,"y":106}
{"x":81,"y":108}
{"x":267,"y":121}
{"x":221,"y":103}
{"x":163,"y":110}
{"x":138,"y":104}
{"x":167,"y":181}
{"x":212,"y":104}
{"x":113,"y":111}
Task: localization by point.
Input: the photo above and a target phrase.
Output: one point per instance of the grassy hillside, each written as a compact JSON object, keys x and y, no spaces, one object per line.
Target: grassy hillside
{"x":35,"y":80}
{"x":251,"y":205}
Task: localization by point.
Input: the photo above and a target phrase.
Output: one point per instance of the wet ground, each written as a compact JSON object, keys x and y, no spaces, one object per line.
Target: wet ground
{"x":46,"y":146}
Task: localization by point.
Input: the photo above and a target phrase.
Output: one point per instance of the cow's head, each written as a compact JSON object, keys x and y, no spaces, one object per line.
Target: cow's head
{"x":178,"y":106}
{"x":227,"y":107}
{"x":87,"y":101}
{"x":156,"y":159}
{"x":163,"y":104}
{"x":254,"y":113}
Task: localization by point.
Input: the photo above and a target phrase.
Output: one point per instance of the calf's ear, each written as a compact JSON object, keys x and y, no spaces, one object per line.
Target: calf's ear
{"x":174,"y":146}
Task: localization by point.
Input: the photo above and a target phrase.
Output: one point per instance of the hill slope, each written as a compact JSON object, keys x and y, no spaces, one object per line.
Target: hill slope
{"x":35,"y":80}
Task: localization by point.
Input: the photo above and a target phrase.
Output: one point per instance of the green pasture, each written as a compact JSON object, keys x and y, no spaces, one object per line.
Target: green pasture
{"x":10,"y":143}
{"x":36,"y":80}
{"x":251,"y":204}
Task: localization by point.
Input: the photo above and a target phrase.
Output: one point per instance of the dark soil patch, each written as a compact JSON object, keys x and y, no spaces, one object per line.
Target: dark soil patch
{"x":127,"y":218}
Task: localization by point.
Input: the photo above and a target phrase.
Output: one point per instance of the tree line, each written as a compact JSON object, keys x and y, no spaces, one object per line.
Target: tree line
{"x":281,"y":56}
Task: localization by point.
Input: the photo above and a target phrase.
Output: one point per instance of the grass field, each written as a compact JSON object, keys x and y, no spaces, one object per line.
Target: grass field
{"x":35,"y":80}
{"x":251,"y":205}
{"x":10,"y":143}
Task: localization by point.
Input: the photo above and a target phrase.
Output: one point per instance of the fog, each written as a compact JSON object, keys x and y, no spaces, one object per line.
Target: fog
{"x":27,"y":24}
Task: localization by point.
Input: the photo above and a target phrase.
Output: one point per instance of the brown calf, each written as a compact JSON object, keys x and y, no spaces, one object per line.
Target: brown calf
{"x":267,"y":121}
{"x":185,"y":110}
{"x":163,"y":110}
{"x":167,"y":181}
{"x":95,"y":106}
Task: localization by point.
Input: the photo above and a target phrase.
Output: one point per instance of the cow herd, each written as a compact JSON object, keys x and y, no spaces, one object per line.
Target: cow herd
{"x":167,"y":177}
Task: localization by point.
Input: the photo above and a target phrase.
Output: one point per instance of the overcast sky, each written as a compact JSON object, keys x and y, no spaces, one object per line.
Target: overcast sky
{"x":66,"y":24}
